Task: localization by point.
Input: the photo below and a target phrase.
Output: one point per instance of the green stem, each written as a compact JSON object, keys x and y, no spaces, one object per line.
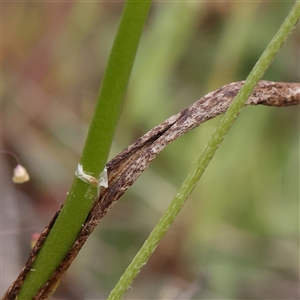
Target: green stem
{"x":96,"y":149}
{"x":193,"y":177}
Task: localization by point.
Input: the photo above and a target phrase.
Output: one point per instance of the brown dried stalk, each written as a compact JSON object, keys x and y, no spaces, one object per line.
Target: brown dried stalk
{"x":126,"y":167}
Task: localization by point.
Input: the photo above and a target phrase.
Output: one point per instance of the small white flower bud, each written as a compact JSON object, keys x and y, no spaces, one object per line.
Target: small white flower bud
{"x":20,"y":174}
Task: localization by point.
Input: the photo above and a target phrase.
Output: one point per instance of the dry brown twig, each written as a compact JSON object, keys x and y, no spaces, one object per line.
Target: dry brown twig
{"x":126,"y":167}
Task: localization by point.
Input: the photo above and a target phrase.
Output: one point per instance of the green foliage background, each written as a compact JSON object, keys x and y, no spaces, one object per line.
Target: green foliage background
{"x":238,"y":235}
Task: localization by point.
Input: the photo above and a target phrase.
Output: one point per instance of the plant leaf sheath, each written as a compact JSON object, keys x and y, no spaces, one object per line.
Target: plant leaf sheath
{"x":127,"y":166}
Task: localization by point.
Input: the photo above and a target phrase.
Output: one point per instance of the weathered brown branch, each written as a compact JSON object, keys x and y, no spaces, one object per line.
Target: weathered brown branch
{"x":126,"y":167}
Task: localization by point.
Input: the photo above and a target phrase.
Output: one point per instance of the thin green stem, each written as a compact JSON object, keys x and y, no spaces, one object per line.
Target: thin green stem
{"x":193,"y":177}
{"x":96,"y":149}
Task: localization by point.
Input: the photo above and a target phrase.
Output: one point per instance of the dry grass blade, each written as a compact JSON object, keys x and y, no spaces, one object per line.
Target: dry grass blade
{"x":126,"y":167}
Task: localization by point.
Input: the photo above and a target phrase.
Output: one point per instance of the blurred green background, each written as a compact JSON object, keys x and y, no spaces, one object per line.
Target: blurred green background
{"x":238,"y":235}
